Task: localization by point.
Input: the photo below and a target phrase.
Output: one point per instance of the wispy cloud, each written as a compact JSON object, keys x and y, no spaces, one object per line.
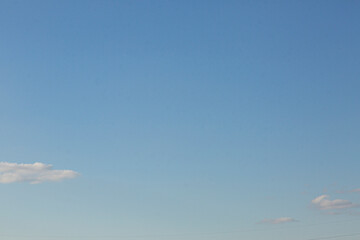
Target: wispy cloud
{"x":349,"y":212}
{"x":278,"y":220}
{"x":323,"y":203}
{"x":32,"y":173}
{"x":357,"y":190}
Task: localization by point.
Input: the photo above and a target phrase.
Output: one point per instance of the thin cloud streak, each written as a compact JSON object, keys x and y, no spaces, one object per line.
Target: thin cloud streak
{"x":357,"y":190}
{"x":277,"y":220}
{"x":32,"y":173}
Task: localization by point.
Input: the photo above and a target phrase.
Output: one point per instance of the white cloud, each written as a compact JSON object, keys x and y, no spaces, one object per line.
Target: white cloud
{"x":278,"y":220}
{"x":32,"y":173}
{"x":323,"y":203}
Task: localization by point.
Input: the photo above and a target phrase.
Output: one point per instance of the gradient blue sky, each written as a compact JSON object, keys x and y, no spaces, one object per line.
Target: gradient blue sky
{"x":186,"y":119}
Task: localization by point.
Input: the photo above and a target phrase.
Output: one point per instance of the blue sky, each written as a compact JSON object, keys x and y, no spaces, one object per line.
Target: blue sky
{"x":179,"y":119}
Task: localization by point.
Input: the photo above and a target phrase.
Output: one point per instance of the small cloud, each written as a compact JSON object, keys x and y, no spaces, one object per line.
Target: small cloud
{"x":323,"y":203}
{"x":32,"y":173}
{"x":278,"y":220}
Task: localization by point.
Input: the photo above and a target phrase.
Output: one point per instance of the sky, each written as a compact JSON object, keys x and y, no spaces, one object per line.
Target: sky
{"x":179,"y":120}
